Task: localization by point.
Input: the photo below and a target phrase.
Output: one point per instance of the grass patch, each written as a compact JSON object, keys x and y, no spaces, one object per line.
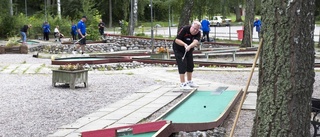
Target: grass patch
{"x":212,"y":66}
{"x":5,"y":67}
{"x":240,"y":66}
{"x":39,"y":68}
{"x":130,"y":73}
{"x":14,"y":69}
{"x":101,"y":69}
{"x":24,"y":62}
{"x":26,"y":70}
{"x":172,"y":70}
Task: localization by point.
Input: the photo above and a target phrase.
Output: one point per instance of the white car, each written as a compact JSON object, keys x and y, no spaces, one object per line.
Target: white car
{"x":220,"y":21}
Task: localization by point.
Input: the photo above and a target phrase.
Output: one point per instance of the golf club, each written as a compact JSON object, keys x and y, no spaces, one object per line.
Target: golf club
{"x":185,"y":52}
{"x":73,"y":45}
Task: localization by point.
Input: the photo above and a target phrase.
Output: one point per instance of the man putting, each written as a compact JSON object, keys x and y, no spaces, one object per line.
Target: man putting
{"x":183,"y":46}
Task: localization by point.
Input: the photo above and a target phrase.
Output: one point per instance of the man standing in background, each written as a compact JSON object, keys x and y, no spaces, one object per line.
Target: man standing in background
{"x":46,"y":31}
{"x":257,"y":24}
{"x":81,"y":29}
{"x":205,"y":28}
{"x":74,"y":31}
{"x":101,"y":26}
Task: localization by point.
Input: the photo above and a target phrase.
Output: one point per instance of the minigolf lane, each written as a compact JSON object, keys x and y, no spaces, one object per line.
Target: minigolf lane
{"x":202,"y":106}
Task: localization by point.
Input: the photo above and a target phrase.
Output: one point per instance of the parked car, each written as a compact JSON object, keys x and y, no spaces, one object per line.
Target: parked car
{"x":220,"y":21}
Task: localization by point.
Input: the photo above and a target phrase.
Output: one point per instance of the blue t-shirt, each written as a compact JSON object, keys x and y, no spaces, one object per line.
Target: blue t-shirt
{"x":82,"y":26}
{"x":74,"y":29}
{"x":46,"y":28}
{"x":205,"y":24}
{"x":257,"y":24}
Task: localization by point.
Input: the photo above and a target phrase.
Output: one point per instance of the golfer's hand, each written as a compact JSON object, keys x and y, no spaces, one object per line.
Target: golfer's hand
{"x":188,"y":48}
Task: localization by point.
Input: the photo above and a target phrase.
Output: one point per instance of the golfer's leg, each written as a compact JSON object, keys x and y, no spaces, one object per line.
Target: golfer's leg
{"x":190,"y":65}
{"x":181,"y":65}
{"x":182,"y":78}
{"x":189,"y":76}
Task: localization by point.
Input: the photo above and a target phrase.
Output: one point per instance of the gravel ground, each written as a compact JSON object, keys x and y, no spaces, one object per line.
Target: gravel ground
{"x":32,"y":107}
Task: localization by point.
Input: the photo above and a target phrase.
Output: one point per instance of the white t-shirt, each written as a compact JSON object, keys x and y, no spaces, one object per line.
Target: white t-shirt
{"x":56,"y":30}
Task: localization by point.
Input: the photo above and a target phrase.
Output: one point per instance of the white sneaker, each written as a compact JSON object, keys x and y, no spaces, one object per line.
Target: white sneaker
{"x":185,"y":86}
{"x":191,"y":84}
{"x":74,"y":52}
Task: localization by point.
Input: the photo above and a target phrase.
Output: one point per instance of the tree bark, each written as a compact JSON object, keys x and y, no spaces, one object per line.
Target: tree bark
{"x":286,"y":69}
{"x":110,"y":13}
{"x":237,"y":11}
{"x":248,"y":24}
{"x":185,"y":14}
{"x":11,"y":7}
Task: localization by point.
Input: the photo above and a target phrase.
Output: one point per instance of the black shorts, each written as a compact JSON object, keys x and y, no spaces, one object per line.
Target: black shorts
{"x":82,"y":41}
{"x":185,"y":65}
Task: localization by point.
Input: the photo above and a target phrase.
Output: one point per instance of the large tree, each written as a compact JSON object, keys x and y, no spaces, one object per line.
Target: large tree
{"x":185,"y":13}
{"x":248,"y":24}
{"x":286,"y":69}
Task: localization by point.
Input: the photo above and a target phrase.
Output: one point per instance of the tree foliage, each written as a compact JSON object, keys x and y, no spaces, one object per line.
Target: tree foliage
{"x":120,"y":9}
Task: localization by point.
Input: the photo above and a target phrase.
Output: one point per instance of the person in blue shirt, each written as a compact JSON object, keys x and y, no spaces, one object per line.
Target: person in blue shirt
{"x":73,"y":31}
{"x":46,"y":31}
{"x":205,"y":28}
{"x":257,"y":24}
{"x":81,"y":29}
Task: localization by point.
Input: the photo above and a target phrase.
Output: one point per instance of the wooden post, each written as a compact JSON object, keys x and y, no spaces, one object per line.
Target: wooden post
{"x":245,"y":91}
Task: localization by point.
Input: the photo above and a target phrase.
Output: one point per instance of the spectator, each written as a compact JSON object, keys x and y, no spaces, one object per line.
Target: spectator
{"x":24,"y":32}
{"x":205,"y":28}
{"x":57,"y":34}
{"x":81,"y":28}
{"x":46,"y":31}
{"x":73,"y":31}
{"x":257,"y":24}
{"x":183,"y":46}
{"x":101,"y":26}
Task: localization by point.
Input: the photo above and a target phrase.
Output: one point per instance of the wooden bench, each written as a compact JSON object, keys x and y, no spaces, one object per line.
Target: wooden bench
{"x":233,"y":51}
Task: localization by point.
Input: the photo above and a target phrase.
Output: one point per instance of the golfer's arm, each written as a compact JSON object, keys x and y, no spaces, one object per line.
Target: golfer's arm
{"x":180,"y":42}
{"x":79,"y":32}
{"x":194,"y":43}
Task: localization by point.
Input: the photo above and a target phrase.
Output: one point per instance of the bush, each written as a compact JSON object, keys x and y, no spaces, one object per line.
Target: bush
{"x":9,"y":26}
{"x":124,"y":27}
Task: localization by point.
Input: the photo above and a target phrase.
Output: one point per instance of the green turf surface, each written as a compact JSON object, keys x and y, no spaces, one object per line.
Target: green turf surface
{"x":201,"y":106}
{"x":148,"y":134}
{"x":29,"y":41}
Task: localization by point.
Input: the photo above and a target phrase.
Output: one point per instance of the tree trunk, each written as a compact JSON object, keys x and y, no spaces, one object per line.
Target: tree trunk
{"x":131,"y":22}
{"x":286,"y":69}
{"x":11,"y":7}
{"x":110,"y":13}
{"x":133,"y":16}
{"x":248,"y":24}
{"x":237,"y":11}
{"x":185,"y":14}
